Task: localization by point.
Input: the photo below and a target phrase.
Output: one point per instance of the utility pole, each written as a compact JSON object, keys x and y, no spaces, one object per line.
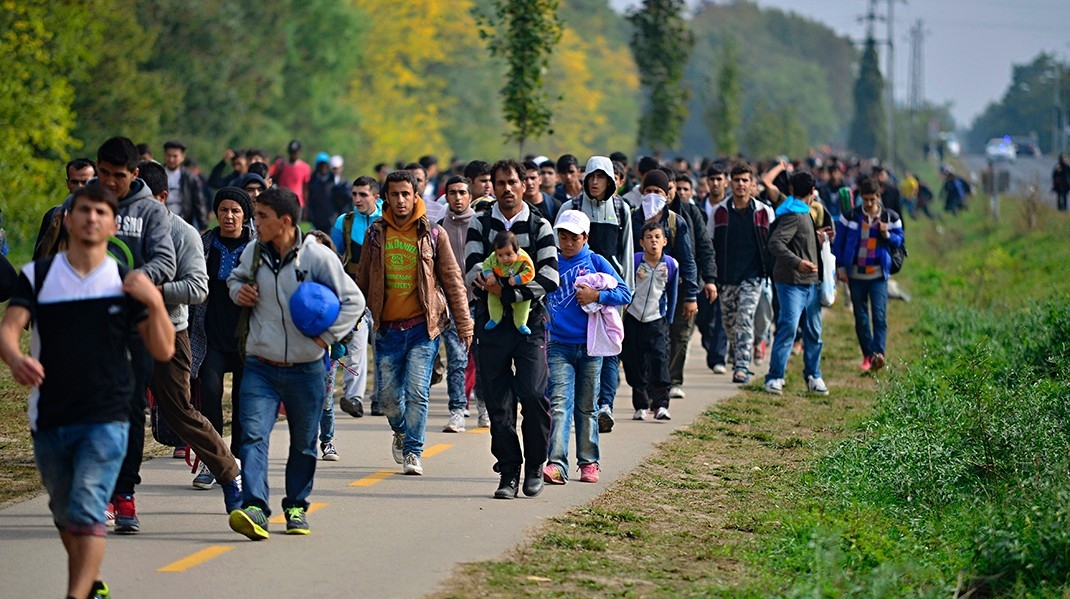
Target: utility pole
{"x":890,"y":22}
{"x":917,"y":66}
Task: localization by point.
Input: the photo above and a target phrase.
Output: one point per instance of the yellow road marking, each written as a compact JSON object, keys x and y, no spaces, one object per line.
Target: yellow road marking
{"x":479,"y":431}
{"x":436,"y":449}
{"x":281,"y":518}
{"x":373,"y":478}
{"x":196,"y":559}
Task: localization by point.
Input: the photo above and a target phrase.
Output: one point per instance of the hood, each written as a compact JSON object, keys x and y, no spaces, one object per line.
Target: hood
{"x":793,"y":205}
{"x":419,"y":209}
{"x":138,"y":191}
{"x":600,"y":163}
{"x":563,"y":262}
{"x":462,"y":218}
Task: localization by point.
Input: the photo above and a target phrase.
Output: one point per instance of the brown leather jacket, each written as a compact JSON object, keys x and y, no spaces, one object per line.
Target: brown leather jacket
{"x":440,"y":287}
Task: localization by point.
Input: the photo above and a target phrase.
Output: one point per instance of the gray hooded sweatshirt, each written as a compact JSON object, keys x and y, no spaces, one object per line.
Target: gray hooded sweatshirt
{"x":144,"y":228}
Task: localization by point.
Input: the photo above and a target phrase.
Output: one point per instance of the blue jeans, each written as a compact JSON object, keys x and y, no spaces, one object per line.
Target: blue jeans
{"x":573,"y":387}
{"x":797,"y":302}
{"x":456,"y":364}
{"x":871,"y":334}
{"x":609,"y":380}
{"x":264,"y":387}
{"x":79,"y":464}
{"x":403,"y":364}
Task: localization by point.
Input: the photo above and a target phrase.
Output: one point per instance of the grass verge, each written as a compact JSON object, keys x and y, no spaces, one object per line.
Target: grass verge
{"x":945,"y":477}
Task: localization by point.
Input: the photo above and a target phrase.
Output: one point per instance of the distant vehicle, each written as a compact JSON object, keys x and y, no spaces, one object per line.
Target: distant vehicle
{"x":1000,"y":149}
{"x":952,"y":147}
{"x":1025,"y":146}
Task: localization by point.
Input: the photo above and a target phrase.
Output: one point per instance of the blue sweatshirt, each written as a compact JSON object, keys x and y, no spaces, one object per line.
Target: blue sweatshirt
{"x":568,"y":321}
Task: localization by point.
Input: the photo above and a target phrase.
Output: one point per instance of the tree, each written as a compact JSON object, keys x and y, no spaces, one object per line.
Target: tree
{"x":725,"y":117}
{"x":661,"y":44}
{"x":774,"y":132}
{"x":523,"y":33}
{"x":867,"y":127}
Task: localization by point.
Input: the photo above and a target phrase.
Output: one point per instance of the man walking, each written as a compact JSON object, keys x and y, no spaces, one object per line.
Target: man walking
{"x":284,"y":354}
{"x":504,"y":348}
{"x":410,"y":276}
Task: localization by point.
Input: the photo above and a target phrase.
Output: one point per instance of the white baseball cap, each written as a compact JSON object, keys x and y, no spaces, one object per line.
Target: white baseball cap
{"x":574,"y":221}
{"x":336,"y":161}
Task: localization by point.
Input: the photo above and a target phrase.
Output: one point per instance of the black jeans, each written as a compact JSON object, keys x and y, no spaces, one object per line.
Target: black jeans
{"x":501,"y":351}
{"x":215,"y":365}
{"x":130,"y":472}
{"x":646,"y":362}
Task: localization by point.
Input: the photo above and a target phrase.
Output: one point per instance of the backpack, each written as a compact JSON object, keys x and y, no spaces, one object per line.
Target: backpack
{"x":898,"y":254}
{"x":243,"y":318}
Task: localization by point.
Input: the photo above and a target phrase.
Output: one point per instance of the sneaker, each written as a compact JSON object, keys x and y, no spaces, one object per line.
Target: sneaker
{"x":484,"y":415}
{"x":179,"y":453}
{"x":251,"y":522}
{"x":719,"y":369}
{"x":639,"y":415}
{"x":352,"y":406}
{"x":330,"y":454}
{"x":413,"y":465}
{"x":397,"y":447}
{"x":816,"y":385}
{"x":663,"y":414}
{"x":204,"y":479}
{"x":508,"y":486}
{"x":109,"y":515}
{"x":554,"y":474}
{"x":126,"y":522}
{"x":676,"y":393}
{"x":456,"y":423}
{"x":466,"y":414}
{"x":605,"y":420}
{"x":377,"y":409}
{"x":589,"y":472}
{"x":775,"y":386}
{"x":99,"y":590}
{"x":232,"y":496}
{"x":867,"y":364}
{"x":296,"y":522}
{"x":877,"y":361}
{"x":741,"y":377}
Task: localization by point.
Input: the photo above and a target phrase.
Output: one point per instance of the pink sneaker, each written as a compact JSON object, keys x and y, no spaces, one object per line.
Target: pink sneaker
{"x":866,"y":364}
{"x":552,"y":474}
{"x":589,"y":473}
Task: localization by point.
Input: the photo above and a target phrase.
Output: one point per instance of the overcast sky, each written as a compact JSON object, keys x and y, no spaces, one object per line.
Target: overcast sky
{"x":970,"y":44}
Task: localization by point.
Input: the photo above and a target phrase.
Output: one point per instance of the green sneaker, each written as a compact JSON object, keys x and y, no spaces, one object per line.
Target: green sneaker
{"x":251,"y":522}
{"x":296,"y":523}
{"x":100,"y":590}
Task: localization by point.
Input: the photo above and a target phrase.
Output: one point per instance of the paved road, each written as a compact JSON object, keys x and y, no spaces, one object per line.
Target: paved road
{"x":375,"y":533}
{"x":1025,"y":172}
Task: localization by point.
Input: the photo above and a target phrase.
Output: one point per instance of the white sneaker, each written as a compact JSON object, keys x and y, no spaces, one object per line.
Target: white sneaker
{"x":456,"y":423}
{"x":775,"y":386}
{"x":413,"y":465}
{"x":676,"y":393}
{"x":720,"y":369}
{"x":397,"y":447}
{"x":484,"y":416}
{"x":639,"y":415}
{"x":663,"y":414}
{"x":816,"y":385}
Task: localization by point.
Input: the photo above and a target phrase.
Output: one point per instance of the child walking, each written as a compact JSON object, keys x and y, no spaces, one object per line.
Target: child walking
{"x":514,"y":265}
{"x":575,"y":367}
{"x":646,"y":324}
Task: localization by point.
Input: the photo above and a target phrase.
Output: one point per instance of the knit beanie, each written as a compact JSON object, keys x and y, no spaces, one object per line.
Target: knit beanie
{"x":656,"y":178}
{"x":238,"y":195}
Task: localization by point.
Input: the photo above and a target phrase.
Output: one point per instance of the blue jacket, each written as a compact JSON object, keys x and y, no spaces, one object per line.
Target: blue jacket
{"x":568,"y":321}
{"x":849,"y":235}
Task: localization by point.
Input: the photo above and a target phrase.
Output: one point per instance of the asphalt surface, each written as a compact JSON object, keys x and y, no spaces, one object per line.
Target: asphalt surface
{"x":1025,"y":172}
{"x":375,"y":532}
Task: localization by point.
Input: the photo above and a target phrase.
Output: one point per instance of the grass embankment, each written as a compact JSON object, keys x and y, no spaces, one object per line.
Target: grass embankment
{"x":946,"y":476}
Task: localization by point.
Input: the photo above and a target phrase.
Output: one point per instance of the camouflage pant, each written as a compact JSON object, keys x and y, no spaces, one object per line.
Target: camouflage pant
{"x":738,"y":306}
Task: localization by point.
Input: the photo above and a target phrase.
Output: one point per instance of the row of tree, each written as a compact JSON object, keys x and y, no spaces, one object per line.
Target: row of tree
{"x":375,"y":81}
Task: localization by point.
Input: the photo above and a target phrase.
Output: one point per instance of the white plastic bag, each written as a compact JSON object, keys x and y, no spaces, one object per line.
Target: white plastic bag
{"x":828,"y":274}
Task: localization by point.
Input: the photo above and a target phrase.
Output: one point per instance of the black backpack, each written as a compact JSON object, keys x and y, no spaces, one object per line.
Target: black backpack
{"x":898,"y":254}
